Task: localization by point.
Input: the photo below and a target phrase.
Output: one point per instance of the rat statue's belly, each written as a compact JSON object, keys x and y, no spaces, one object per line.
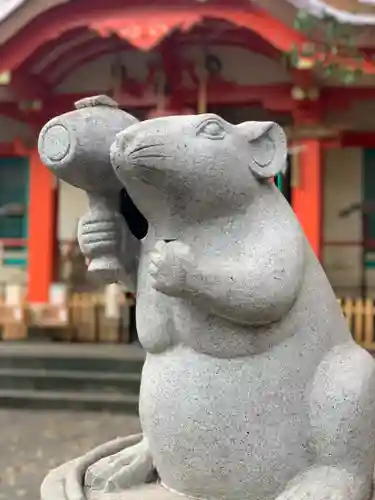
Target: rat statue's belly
{"x":233,"y":429}
{"x":164,"y":321}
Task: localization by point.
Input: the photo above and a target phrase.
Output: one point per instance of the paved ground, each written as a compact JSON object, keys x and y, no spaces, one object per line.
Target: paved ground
{"x":32,"y":442}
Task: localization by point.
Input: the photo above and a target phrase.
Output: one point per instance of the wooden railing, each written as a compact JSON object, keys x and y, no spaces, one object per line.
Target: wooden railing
{"x":360,"y":314}
{"x":89,"y":320}
{"x":87,"y":317}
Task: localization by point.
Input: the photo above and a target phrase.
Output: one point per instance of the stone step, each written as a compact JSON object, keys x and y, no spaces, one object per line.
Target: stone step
{"x":64,"y":380}
{"x":71,"y":357}
{"x":70,"y":376}
{"x":50,"y":400}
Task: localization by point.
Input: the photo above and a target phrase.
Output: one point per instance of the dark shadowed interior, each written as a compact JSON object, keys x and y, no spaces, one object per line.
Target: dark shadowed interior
{"x":136,"y":222}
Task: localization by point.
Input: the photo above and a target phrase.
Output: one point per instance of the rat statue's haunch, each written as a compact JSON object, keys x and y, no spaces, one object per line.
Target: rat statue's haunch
{"x":253,"y":388}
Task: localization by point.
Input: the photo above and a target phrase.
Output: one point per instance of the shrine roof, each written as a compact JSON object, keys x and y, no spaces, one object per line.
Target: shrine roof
{"x":358,"y":12}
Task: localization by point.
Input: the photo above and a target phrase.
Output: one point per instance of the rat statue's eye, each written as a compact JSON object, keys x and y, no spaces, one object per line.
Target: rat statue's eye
{"x":212,"y":129}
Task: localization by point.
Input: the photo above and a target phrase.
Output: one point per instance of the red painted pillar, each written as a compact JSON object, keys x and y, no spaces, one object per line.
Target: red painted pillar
{"x":41,"y":235}
{"x":307,"y":195}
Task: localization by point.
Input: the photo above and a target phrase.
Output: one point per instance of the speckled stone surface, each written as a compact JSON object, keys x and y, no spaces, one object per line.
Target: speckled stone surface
{"x":143,"y":492}
{"x":253,"y":388}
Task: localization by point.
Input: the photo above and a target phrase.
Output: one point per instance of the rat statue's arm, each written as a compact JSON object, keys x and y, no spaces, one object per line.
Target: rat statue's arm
{"x":258,"y":288}
{"x":342,"y":419}
{"x":129,"y":467}
{"x":121,"y":463}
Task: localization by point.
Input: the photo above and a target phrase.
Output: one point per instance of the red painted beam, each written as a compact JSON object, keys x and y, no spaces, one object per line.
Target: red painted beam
{"x":357,"y":139}
{"x":277,"y":95}
{"x":36,"y":119}
{"x":303,"y":78}
{"x":52,"y":106}
{"x":7,"y":149}
{"x":15,"y":148}
{"x":73,"y":15}
{"x":308,"y":112}
{"x":28,"y":86}
{"x":11,"y":110}
{"x":342,"y":95}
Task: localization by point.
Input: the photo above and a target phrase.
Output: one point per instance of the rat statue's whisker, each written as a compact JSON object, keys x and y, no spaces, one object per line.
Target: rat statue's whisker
{"x":143,"y":147}
{"x":150,"y":156}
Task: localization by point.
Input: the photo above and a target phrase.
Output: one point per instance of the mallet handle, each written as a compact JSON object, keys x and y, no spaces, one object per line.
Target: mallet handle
{"x":105,"y":266}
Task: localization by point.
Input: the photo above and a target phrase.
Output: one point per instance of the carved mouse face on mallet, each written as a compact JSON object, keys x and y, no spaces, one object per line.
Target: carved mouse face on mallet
{"x":197,"y":161}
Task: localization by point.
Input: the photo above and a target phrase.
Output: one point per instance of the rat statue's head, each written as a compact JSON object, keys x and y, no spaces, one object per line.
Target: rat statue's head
{"x":198,"y":166}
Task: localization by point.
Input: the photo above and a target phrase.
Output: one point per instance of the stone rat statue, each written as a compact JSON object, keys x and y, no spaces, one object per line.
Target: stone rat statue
{"x":252,"y":388}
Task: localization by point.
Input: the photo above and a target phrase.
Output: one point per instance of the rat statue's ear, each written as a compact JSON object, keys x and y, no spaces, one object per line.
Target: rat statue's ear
{"x":268,"y":148}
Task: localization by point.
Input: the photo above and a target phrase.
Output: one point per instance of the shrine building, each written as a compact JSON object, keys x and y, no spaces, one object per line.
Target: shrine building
{"x":185,"y":56}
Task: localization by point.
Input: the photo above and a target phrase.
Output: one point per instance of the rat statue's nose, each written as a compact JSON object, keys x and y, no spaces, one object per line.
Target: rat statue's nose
{"x":122,"y":147}
{"x":127,"y":139}
{"x":135,"y":148}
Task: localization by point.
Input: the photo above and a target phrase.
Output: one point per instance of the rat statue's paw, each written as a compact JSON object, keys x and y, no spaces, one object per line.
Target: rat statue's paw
{"x":98,"y":232}
{"x":129,"y":467}
{"x":325,"y":483}
{"x":102,"y":239}
{"x":169,"y":264}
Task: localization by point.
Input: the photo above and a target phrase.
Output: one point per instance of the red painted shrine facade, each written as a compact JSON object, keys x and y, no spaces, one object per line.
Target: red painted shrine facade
{"x":174,"y":57}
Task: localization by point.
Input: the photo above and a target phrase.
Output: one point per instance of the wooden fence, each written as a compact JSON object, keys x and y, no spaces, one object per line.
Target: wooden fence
{"x":360,"y":314}
{"x":86,"y":318}
{"x":90,"y":322}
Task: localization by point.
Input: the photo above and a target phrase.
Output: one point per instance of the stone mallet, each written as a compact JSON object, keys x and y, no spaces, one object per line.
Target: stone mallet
{"x":75,"y":147}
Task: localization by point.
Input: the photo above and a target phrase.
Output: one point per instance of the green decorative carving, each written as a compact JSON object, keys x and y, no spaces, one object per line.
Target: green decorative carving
{"x":329,"y":43}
